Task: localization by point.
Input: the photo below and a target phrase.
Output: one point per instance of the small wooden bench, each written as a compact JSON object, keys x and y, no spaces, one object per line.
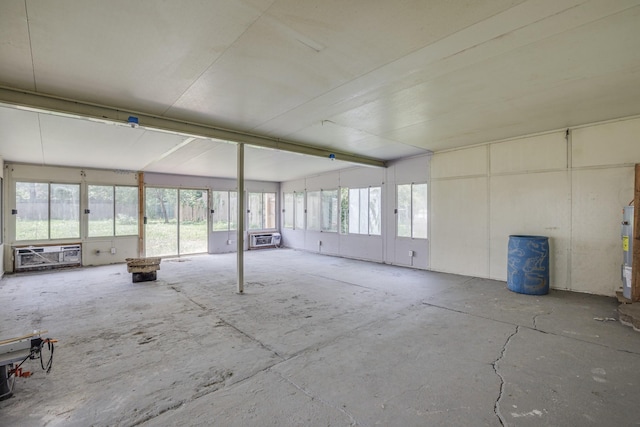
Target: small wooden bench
{"x":143,"y":269}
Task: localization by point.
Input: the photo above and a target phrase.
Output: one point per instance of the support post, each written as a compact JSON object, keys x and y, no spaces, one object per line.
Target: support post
{"x":241,"y":215}
{"x":141,"y":206}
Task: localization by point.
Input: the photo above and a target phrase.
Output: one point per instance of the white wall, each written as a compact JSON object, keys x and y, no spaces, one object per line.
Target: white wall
{"x":219,"y":241}
{"x":98,"y":250}
{"x":385,"y":248}
{"x":95,"y":251}
{"x":571,"y":188}
{"x":4,"y":203}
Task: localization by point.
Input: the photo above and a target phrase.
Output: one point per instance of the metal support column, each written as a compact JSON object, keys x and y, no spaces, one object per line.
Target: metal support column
{"x":241,"y":215}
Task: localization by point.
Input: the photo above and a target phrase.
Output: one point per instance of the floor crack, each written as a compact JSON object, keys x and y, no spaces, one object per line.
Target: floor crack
{"x":252,"y":338}
{"x":496,"y":406}
{"x":535,"y":319}
{"x":313,"y":397}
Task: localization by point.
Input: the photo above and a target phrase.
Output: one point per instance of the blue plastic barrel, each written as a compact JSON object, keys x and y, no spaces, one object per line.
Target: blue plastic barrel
{"x":528,"y":265}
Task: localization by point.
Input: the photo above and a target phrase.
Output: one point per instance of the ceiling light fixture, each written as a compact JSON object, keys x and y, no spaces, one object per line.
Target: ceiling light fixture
{"x":133,"y":121}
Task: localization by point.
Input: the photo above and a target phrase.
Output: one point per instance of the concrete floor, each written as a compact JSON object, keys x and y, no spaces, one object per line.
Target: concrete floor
{"x":315,"y":341}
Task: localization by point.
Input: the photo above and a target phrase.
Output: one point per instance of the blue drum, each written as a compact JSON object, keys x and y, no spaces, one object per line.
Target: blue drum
{"x":528,"y":265}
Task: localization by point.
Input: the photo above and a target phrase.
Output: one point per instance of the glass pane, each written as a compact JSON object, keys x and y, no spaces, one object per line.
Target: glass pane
{"x":254,"y":206}
{"x":269,"y":210}
{"x":404,"y":210}
{"x":32,"y":203}
{"x":126,"y":211}
{"x":299,"y":211}
{"x":374,"y":210}
{"x":288,"y":210}
{"x":420,"y":224}
{"x":313,"y":210}
{"x":193,"y":221}
{"x":220,"y":206}
{"x":344,"y":210}
{"x":364,"y":211}
{"x":65,"y":211}
{"x":330,"y":210}
{"x":354,"y":211}
{"x":233,"y":210}
{"x":1,"y":211}
{"x":101,"y":206}
{"x":161,"y":231}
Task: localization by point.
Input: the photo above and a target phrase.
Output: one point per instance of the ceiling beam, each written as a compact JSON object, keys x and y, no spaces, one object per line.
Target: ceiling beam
{"x":48,"y":104}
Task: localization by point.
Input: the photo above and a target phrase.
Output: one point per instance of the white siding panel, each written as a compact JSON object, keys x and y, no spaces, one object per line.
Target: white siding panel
{"x":415,"y":169}
{"x":323,"y":182}
{"x":460,"y":163}
{"x":614,"y":143}
{"x":531,"y":204}
{"x":544,"y":152}
{"x":596,"y":250}
{"x":362,"y":177}
{"x":459,"y":226}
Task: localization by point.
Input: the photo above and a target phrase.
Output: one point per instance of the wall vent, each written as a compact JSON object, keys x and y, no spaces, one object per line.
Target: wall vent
{"x":262,"y":240}
{"x":47,"y":257}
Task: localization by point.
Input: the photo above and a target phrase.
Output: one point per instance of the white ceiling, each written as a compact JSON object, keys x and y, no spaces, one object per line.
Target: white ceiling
{"x":380,"y":79}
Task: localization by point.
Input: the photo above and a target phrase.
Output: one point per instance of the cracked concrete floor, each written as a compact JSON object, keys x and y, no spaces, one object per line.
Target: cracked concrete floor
{"x":315,"y":341}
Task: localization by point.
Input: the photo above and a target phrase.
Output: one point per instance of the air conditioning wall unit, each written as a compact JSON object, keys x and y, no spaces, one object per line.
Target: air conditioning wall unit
{"x":47,"y":257}
{"x":261,"y":240}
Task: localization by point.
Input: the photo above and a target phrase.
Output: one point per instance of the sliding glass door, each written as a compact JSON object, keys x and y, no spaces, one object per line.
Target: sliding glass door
{"x":176,"y":221}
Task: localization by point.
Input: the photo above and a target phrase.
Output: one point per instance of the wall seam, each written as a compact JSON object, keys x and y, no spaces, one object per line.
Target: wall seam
{"x":488,"y":211}
{"x":569,"y":149}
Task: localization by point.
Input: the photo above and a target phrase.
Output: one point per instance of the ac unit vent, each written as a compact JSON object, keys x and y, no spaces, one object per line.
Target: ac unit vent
{"x":264,"y":240}
{"x":47,"y":257}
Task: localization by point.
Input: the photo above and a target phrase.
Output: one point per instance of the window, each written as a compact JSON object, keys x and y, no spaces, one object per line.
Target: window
{"x":363,"y":210}
{"x":288,"y":210}
{"x":225,"y":210}
{"x":344,"y":210}
{"x":329,"y":214}
{"x":322,"y":210}
{"x":299,"y":210}
{"x":412,"y":211}
{"x":113,"y":211}
{"x":1,"y":211}
{"x":47,"y":211}
{"x":262,"y":211}
{"x":313,"y":210}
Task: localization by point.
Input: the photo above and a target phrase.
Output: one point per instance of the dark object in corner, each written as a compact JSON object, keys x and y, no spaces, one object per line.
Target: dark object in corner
{"x":144,"y":277}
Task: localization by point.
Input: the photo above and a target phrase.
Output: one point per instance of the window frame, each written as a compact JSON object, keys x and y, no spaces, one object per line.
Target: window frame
{"x":288,"y":210}
{"x":318,"y":222}
{"x":348,"y":219}
{"x":264,"y":195}
{"x":49,"y":184}
{"x":114,"y":209}
{"x":412,"y":211}
{"x":299,"y":218}
{"x":231,"y":220}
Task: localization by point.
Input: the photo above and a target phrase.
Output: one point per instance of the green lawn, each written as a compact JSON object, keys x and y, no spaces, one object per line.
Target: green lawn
{"x":161,"y":237}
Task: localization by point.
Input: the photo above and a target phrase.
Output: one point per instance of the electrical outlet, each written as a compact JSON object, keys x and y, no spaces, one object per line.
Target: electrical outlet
{"x":412,"y":254}
{"x":319,"y":242}
{"x":229,"y":242}
{"x":113,"y":251}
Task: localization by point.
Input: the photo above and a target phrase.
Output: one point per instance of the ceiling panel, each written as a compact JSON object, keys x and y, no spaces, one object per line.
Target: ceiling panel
{"x":20,"y":136}
{"x":80,"y":142}
{"x":143,"y":54}
{"x":380,"y":79}
{"x":15,"y":57}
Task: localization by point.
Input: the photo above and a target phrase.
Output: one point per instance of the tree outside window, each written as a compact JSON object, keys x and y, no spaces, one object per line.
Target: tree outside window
{"x":47,"y":211}
{"x":363,"y":210}
{"x":412,"y":211}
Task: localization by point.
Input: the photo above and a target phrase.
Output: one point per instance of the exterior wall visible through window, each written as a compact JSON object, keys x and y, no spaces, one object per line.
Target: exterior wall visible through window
{"x":412,"y":211}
